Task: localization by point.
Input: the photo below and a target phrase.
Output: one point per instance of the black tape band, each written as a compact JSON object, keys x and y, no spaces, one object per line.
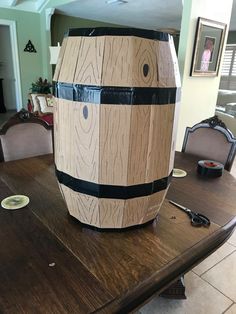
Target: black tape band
{"x":116,"y":95}
{"x":112,"y":191}
{"x":115,"y":31}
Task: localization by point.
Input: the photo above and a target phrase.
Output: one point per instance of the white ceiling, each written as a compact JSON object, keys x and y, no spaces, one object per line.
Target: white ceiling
{"x":151,"y":14}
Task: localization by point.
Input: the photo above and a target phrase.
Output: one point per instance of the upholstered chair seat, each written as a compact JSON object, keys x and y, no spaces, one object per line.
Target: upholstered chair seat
{"x":211,"y":139}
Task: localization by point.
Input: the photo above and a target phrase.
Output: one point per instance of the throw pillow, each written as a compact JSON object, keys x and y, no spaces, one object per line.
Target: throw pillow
{"x":45,"y":103}
{"x":34,"y":102}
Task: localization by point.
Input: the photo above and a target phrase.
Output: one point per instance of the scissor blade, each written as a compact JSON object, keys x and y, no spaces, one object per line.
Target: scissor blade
{"x":178,"y":205}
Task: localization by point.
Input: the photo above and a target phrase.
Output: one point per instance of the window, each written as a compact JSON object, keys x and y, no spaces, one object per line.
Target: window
{"x":228,"y":70}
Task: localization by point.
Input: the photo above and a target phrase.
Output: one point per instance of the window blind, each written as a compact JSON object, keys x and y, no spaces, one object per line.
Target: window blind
{"x":228,"y":70}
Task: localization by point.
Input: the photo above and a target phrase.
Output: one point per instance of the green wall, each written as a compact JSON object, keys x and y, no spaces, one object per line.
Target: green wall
{"x":32,"y":26}
{"x":182,"y":46}
{"x":27,"y":28}
{"x":61,"y":23}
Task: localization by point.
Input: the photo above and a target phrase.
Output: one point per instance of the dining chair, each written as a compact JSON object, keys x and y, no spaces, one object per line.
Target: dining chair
{"x":25,"y":135}
{"x":211,"y":139}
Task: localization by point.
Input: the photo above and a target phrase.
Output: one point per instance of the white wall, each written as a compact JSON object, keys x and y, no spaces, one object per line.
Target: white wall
{"x":6,"y":70}
{"x":199,"y":94}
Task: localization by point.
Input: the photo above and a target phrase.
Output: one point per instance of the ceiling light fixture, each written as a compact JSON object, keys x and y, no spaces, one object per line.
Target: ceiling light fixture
{"x":116,"y":1}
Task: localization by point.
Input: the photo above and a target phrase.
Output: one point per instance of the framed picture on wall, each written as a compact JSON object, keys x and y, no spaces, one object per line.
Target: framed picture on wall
{"x":207,"y":50}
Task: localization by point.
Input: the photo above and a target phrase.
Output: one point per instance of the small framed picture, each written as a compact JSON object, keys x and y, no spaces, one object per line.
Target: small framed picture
{"x":207,"y":50}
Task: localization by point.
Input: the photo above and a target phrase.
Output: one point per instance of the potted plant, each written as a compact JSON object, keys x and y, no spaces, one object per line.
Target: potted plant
{"x":41,"y":86}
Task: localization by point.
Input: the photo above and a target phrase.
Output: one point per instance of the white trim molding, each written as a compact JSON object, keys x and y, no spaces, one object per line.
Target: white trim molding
{"x":25,"y":5}
{"x":15,"y":60}
{"x":48,"y":14}
{"x":40,"y":5}
{"x":13,"y":3}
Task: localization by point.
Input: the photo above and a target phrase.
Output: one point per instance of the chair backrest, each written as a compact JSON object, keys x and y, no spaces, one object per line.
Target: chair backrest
{"x":210,"y":139}
{"x":24,"y":136}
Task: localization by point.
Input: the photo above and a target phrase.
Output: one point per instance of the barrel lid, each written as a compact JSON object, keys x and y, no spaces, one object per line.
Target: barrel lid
{"x":117,"y":31}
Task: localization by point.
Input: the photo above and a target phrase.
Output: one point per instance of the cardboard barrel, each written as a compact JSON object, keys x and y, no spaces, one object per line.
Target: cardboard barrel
{"x":114,"y":124}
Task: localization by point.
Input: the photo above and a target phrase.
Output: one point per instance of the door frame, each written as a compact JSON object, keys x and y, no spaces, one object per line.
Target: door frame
{"x":15,"y":60}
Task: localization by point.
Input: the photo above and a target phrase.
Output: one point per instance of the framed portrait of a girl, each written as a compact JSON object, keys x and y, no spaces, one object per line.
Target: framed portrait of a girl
{"x":207,"y":50}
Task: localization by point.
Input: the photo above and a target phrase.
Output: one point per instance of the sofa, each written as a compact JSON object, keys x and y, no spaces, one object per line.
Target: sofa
{"x":229,"y":120}
{"x":225,"y":97}
{"x":226,"y":102}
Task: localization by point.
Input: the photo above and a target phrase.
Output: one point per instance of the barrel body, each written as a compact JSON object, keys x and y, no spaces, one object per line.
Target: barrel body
{"x":117,"y":94}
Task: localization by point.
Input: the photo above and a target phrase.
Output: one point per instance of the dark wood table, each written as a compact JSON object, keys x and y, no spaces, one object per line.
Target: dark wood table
{"x":50,"y":263}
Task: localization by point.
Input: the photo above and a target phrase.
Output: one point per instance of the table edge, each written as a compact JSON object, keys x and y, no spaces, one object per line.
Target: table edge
{"x":156,"y":283}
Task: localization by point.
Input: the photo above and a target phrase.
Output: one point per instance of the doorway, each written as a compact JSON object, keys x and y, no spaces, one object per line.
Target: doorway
{"x":9,"y":66}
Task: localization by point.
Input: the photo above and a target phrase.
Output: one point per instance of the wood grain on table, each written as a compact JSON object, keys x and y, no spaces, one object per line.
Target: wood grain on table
{"x":100,"y":271}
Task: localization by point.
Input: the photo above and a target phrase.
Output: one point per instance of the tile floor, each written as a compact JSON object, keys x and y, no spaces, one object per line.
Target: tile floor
{"x":5,"y":116}
{"x":210,"y":287}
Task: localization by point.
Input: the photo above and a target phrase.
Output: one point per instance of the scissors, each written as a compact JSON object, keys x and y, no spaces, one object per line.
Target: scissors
{"x":197,"y":220}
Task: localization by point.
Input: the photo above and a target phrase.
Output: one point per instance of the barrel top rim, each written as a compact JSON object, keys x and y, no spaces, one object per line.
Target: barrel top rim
{"x":117,"y":31}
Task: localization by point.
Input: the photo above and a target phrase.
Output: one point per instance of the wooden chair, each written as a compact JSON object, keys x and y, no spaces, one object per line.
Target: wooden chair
{"x":211,"y":139}
{"x":25,"y":135}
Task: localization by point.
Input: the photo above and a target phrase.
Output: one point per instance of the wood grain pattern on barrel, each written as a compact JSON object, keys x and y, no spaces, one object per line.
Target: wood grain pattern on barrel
{"x":81,"y":147}
{"x":90,"y":58}
{"x":138,"y":144}
{"x":81,"y":206}
{"x":60,"y":59}
{"x":111,"y":213}
{"x":130,"y":152}
{"x":61,"y":135}
{"x":86,"y":141}
{"x":142,"y":209}
{"x":166,"y":68}
{"x":68,"y":67}
{"x":102,"y":213}
{"x":124,"y":60}
{"x":56,"y":126}
{"x":63,"y":141}
{"x":154,"y":204}
{"x":113,"y":61}
{"x":160,"y":140}
{"x":134,"y":211}
{"x":114,"y":144}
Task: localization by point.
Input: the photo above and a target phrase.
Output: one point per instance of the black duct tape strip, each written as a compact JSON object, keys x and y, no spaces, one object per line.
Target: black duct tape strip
{"x":210,"y":168}
{"x":115,"y":31}
{"x":112,"y":191}
{"x":116,"y":95}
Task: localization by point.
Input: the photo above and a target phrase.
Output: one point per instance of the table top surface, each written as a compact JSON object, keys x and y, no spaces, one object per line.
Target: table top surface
{"x":50,"y":263}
